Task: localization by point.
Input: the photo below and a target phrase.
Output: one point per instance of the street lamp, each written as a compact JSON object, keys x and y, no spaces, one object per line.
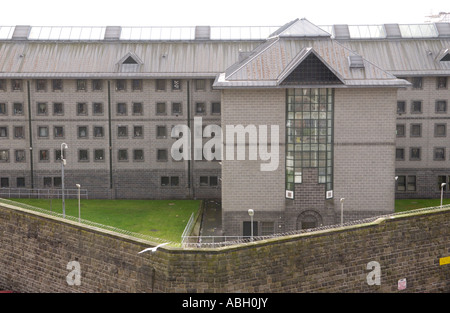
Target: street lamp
{"x":63,"y":163}
{"x":342,"y":210}
{"x":442,"y":192}
{"x":251,"y":213}
{"x":79,"y":210}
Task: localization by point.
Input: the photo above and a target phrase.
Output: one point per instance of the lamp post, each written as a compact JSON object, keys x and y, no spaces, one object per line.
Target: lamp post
{"x":442,"y":192}
{"x":251,"y":213}
{"x":342,"y":210}
{"x":79,"y":206}
{"x":63,"y":163}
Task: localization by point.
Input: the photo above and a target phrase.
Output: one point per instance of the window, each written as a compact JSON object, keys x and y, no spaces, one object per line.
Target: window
{"x":161,"y":132}
{"x":41,"y":85}
{"x":441,"y":106}
{"x":97,"y":108}
{"x":16,"y":85}
{"x":176,"y":108}
{"x":121,"y":85}
{"x":170,"y":181}
{"x":406,"y":183}
{"x":160,"y":84}
{"x":416,"y":130}
{"x":176,"y":84}
{"x":57,"y":181}
{"x":58,"y":108}
{"x":97,"y":85}
{"x":138,"y":132}
{"x":98,"y":131}
{"x":58,"y":131}
{"x":20,"y":182}
{"x":57,"y":155}
{"x":48,"y":182}
{"x":81,"y":85}
{"x":215,"y":108}
{"x":161,"y":154}
{"x":3,"y":131}
{"x":4,"y":156}
{"x":43,"y":131}
{"x":18,"y":108}
{"x":439,"y":154}
{"x":19,"y":132}
{"x":42,"y":108}
{"x":136,"y":84}
{"x":82,"y":108}
{"x":400,"y":130}
{"x":401,"y":107}
{"x":200,"y":85}
{"x":121,"y":108}
{"x":122,"y":131}
{"x":3,"y":109}
{"x":200,"y":108}
{"x":416,"y":106}
{"x":441,"y":83}
{"x":442,"y":180}
{"x":83,"y":155}
{"x":99,"y":155}
{"x":211,"y":181}
{"x":2,"y":84}
{"x":138,"y":108}
{"x":20,"y":156}
{"x":57,"y":84}
{"x":414,"y":154}
{"x":82,"y":132}
{"x":4,"y":182}
{"x":138,"y":155}
{"x":267,"y":228}
{"x":411,"y":183}
{"x":417,"y":82}
{"x":44,"y":155}
{"x":160,"y":108}
{"x":400,"y":154}
{"x":440,"y":130}
{"x":123,"y":155}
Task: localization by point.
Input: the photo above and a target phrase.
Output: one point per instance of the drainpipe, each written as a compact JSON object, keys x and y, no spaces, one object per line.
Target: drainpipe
{"x":110,"y":137}
{"x":30,"y":134}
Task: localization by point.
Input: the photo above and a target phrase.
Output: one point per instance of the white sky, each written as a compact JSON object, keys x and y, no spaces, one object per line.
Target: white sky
{"x":214,"y":12}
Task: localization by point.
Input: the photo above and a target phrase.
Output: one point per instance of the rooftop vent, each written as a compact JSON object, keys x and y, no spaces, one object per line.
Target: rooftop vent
{"x":21,"y":32}
{"x":341,"y":32}
{"x":392,"y":31}
{"x":443,"y":29}
{"x":355,"y":61}
{"x":113,"y":32}
{"x":202,"y":32}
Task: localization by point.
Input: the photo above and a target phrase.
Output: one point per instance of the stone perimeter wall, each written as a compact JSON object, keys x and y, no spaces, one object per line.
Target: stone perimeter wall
{"x":37,"y":253}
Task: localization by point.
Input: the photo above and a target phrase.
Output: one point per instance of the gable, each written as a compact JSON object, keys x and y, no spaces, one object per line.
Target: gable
{"x":311,"y":71}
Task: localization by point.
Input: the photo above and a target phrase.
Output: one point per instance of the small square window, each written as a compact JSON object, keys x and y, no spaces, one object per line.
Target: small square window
{"x":442,"y":180}
{"x":97,"y":84}
{"x":82,"y":108}
{"x":19,"y":132}
{"x":18,"y":108}
{"x":48,"y":182}
{"x":99,"y":155}
{"x":200,"y":108}
{"x":41,"y":85}
{"x":416,"y":107}
{"x":138,"y":132}
{"x":4,"y":156}
{"x":138,"y":155}
{"x":213,"y":181}
{"x":44,"y":155}
{"x":176,"y":84}
{"x":439,"y":154}
{"x":138,"y":108}
{"x":121,"y":108}
{"x":2,"y":84}
{"x":82,"y":132}
{"x":58,"y":108}
{"x":161,"y":131}
{"x":411,"y":183}
{"x":165,"y":181}
{"x":4,"y":132}
{"x":57,"y":155}
{"x":174,"y":180}
{"x":200,"y":85}
{"x":441,"y":106}
{"x":160,"y":84}
{"x":4,"y":182}
{"x":441,"y":83}
{"x":97,"y":108}
{"x":160,"y":108}
{"x":417,"y":82}
{"x":414,"y":154}
{"x":57,"y":181}
{"x":401,"y":107}
{"x":161,"y":154}
{"x":176,"y":108}
{"x":122,"y":131}
{"x":58,"y":131}
{"x":440,"y":130}
{"x":204,"y":181}
{"x":3,"y":110}
{"x":81,"y":85}
{"x":121,"y":84}
{"x":20,"y":156}
{"x":416,"y":130}
{"x":83,"y":155}
{"x":16,"y":85}
{"x":20,"y":182}
{"x":400,"y":130}
{"x":136,"y":84}
{"x":43,"y":131}
{"x":42,"y":108}
{"x":123,"y":155}
{"x":98,"y":131}
{"x":215,"y":108}
{"x":57,"y":84}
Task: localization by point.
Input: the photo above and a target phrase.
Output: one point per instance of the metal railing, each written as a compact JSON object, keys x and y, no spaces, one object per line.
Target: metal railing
{"x":223,"y":241}
{"x":42,"y":193}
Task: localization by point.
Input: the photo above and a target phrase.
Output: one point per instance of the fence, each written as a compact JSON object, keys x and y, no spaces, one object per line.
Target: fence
{"x":42,"y":193}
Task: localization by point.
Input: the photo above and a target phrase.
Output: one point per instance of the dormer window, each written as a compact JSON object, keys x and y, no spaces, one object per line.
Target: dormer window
{"x":129,"y":63}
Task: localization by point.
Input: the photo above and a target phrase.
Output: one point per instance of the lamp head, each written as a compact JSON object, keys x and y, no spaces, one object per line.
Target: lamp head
{"x":251,"y":212}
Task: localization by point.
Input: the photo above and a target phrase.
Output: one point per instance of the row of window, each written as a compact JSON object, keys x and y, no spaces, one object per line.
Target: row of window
{"x":417,"y":82}
{"x":409,"y":183}
{"x":162,"y":155}
{"x":415,"y":130}
{"x":162,"y":132}
{"x":172,"y":181}
{"x":415,"y":154}
{"x":440,"y":106}
{"x":43,"y":85}
{"x":137,"y":108}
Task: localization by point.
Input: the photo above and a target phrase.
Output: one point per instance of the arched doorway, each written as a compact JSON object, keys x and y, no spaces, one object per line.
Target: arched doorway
{"x":309,"y":219}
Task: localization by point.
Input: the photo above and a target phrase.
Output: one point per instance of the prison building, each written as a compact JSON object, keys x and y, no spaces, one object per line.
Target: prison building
{"x":360,"y":111}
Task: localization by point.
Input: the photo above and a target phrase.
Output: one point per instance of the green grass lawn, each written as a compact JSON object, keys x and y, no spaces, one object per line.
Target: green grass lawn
{"x":402,"y":205}
{"x":165,"y":219}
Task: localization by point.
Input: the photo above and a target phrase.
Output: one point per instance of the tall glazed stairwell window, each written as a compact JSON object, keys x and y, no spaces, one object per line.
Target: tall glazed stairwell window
{"x":309,"y":135}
